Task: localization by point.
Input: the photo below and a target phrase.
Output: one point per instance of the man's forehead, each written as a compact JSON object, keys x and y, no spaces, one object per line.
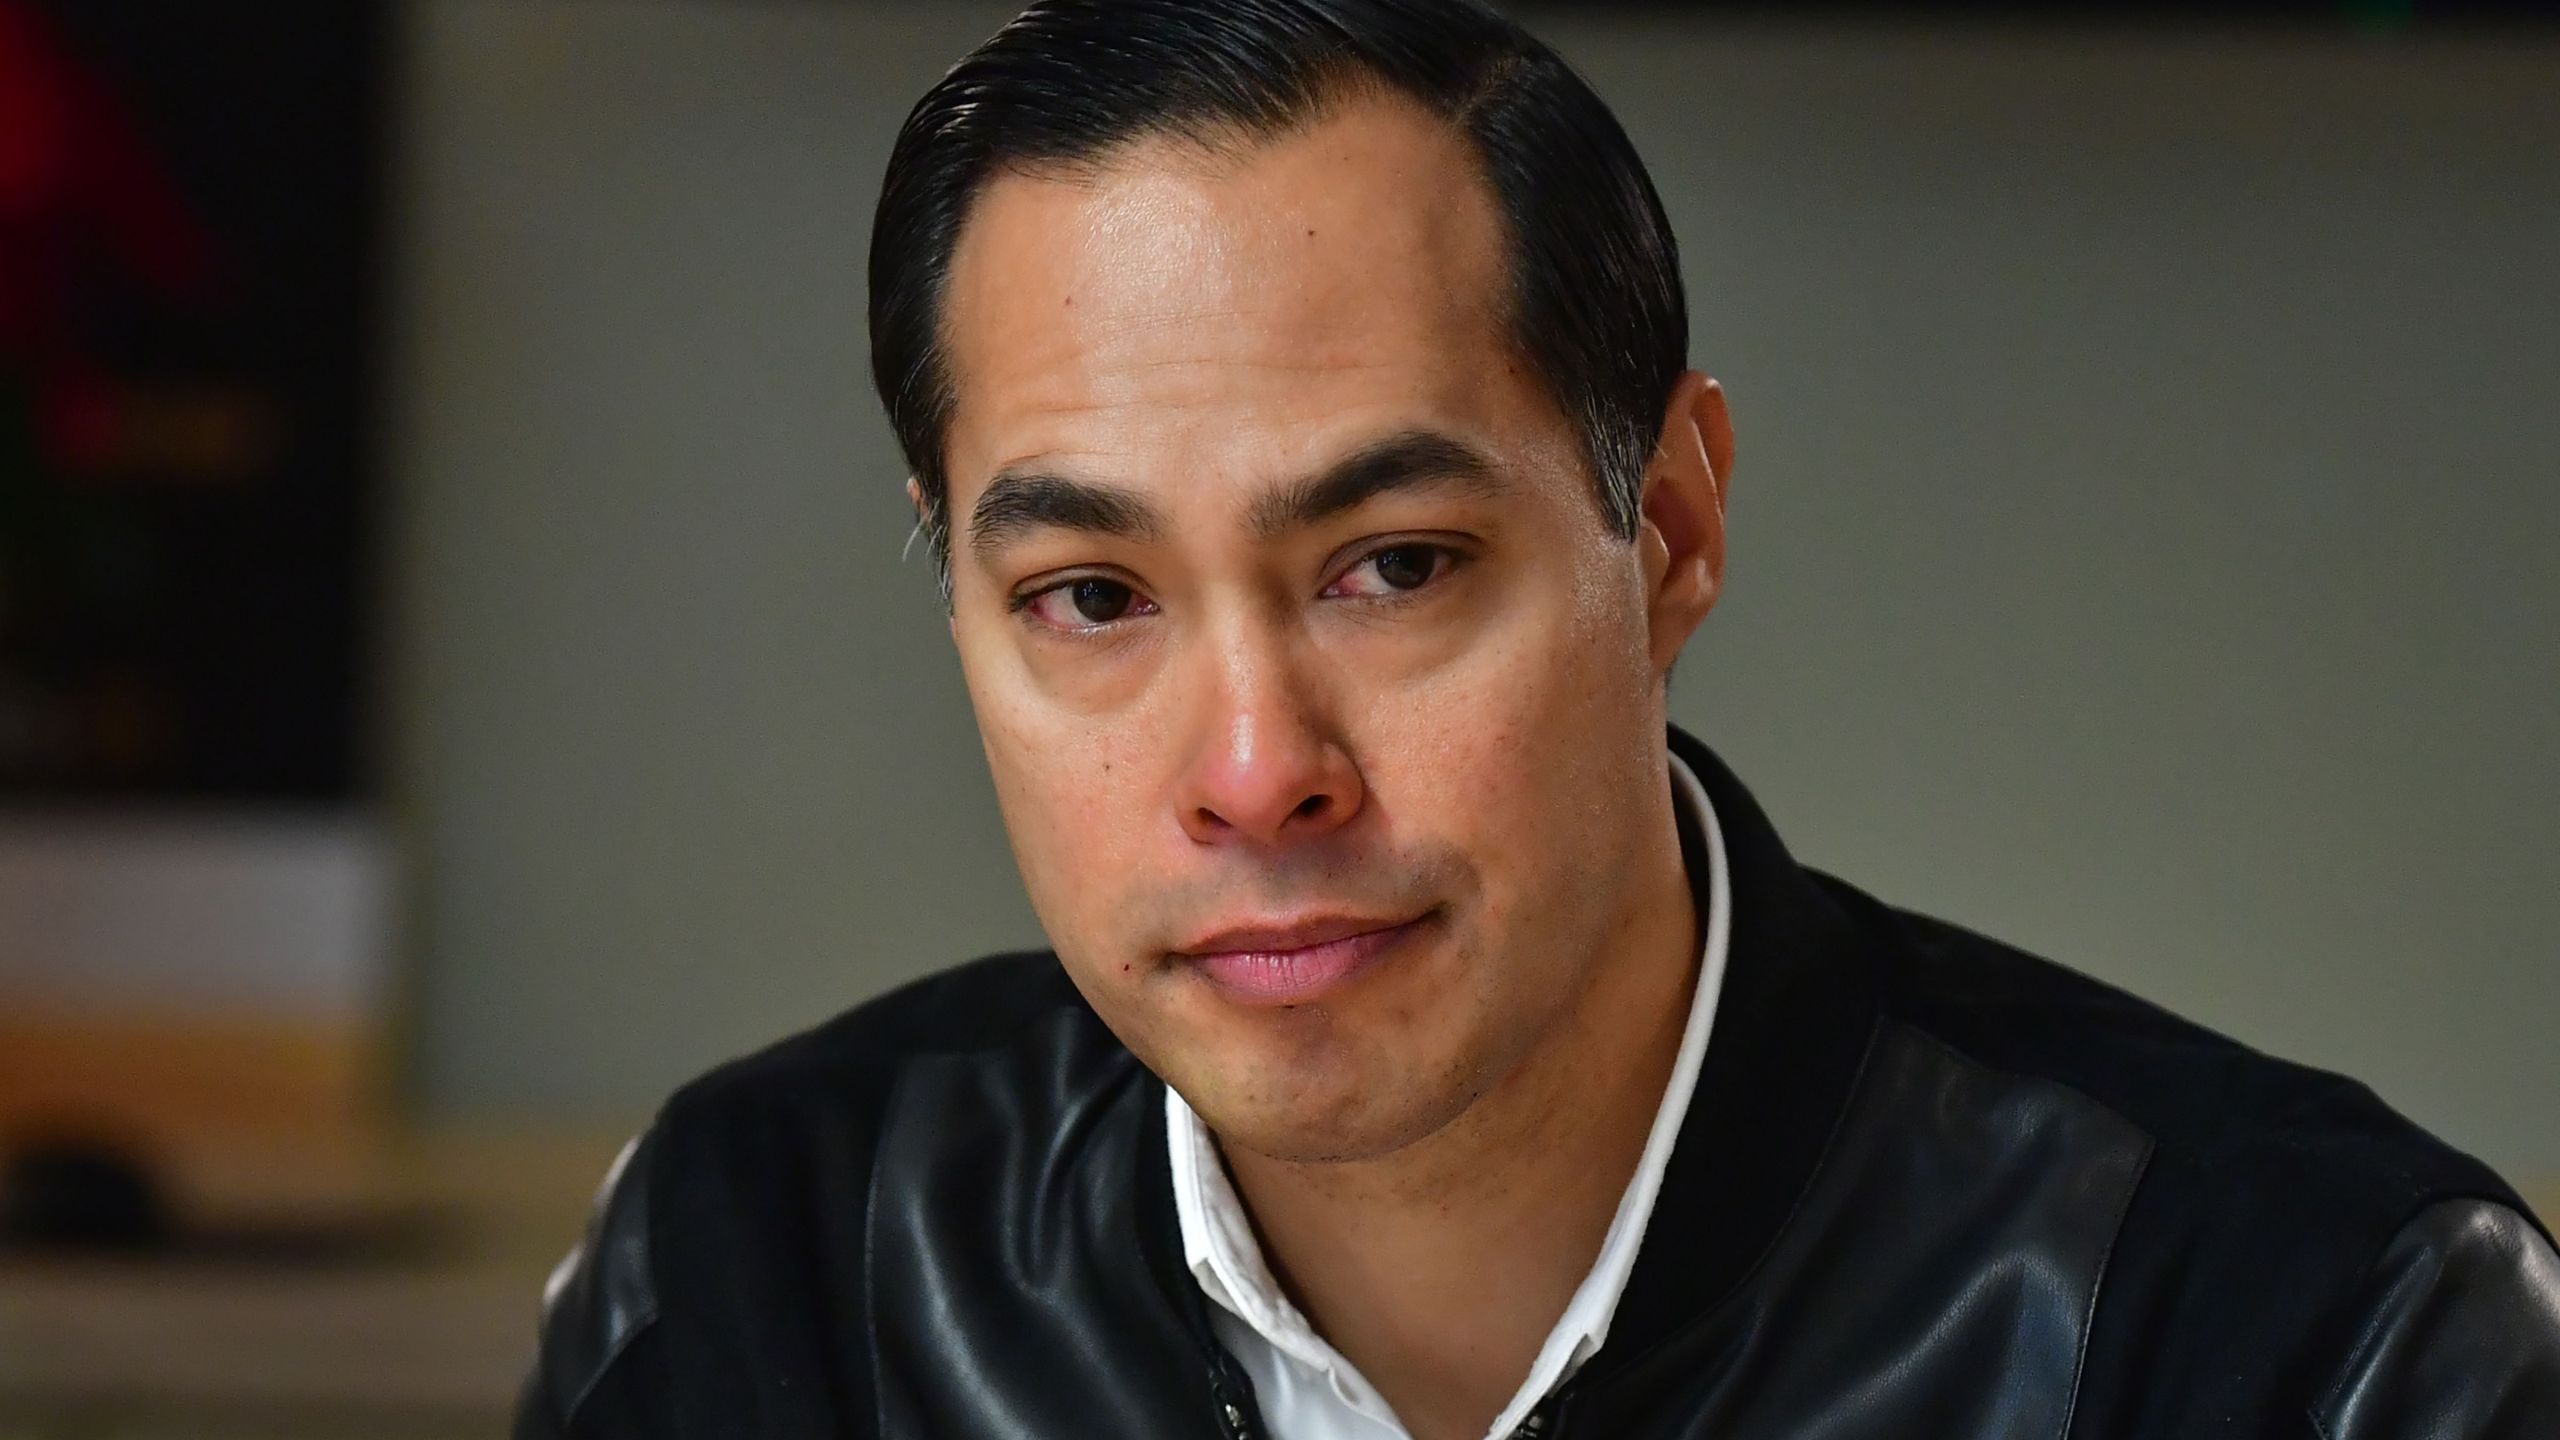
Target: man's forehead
{"x":1359,"y":254}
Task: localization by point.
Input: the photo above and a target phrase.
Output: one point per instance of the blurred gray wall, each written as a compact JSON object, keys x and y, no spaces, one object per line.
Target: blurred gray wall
{"x":2143,"y":543}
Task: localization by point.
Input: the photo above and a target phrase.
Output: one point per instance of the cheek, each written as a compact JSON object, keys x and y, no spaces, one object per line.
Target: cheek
{"x":1070,"y":795}
{"x":1559,"y":670}
{"x":1518,"y":751}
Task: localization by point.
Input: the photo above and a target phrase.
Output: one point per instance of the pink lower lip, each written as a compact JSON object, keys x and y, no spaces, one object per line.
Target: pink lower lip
{"x":1291,"y":977}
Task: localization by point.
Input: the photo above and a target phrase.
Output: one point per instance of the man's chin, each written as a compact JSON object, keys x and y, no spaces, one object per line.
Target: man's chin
{"x":1324,"y":1121}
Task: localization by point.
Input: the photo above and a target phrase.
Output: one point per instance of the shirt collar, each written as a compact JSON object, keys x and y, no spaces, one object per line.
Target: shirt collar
{"x":1226,"y":1261}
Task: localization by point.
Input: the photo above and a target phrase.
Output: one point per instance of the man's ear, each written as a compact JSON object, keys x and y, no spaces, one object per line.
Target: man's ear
{"x":1681,"y":534}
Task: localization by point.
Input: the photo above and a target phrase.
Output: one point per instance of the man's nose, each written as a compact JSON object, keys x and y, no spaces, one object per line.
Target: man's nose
{"x":1265,"y":767}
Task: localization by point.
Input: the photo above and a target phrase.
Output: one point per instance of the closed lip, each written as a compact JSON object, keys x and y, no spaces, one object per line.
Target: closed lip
{"x":1272,"y":938}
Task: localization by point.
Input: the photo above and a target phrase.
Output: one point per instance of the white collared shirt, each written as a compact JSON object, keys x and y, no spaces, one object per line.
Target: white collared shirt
{"x":1306,"y":1389}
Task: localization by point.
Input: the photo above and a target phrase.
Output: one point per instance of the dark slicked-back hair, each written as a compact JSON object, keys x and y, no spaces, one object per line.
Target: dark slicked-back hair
{"x":1595,"y":305}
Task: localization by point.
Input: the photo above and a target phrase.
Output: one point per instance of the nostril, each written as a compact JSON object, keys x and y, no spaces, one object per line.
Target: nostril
{"x":1312,"y":806}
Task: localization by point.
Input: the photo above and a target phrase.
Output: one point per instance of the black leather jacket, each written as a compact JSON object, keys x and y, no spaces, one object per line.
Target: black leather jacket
{"x":1929,"y":1187}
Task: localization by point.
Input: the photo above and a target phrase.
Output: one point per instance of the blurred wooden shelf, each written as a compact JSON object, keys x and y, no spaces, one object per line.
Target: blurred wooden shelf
{"x":425,"y":1330}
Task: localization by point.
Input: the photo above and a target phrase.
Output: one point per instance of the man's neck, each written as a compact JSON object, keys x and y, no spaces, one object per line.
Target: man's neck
{"x":1440,"y":1270}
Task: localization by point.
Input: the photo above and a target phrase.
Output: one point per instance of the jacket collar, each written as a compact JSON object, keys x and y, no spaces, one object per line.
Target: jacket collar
{"x":1801,"y":998}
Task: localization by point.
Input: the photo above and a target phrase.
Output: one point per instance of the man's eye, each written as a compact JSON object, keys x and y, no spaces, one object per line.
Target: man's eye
{"x":1393,"y":569}
{"x":1086,"y":603}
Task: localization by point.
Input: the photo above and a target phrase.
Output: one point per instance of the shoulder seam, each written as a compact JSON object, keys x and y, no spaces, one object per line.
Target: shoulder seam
{"x":2277,"y":1132}
{"x":2106,"y":1262}
{"x":612,"y":1358}
{"x":2289,"y":1121}
{"x":2124,"y":1205}
{"x":2153,"y":1139}
{"x":644,"y":1153}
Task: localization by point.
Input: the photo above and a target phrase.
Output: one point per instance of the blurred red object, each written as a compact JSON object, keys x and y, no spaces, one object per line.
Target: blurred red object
{"x":78,"y":187}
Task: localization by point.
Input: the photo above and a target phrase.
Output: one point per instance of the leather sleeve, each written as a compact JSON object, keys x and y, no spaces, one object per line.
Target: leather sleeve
{"x":599,"y":1302}
{"x":2459,"y":1335}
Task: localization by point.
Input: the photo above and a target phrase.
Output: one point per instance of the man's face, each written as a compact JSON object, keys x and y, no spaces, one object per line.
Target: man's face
{"x":1316,"y":690}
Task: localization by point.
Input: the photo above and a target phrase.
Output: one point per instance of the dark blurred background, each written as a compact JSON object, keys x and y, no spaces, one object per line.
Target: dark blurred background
{"x":190,"y":202}
{"x":457,"y":678}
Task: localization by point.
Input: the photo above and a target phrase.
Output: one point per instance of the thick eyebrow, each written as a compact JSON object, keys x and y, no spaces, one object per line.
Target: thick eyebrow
{"x":1021,"y":500}
{"x":1018,"y":502}
{"x":1412,"y":459}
